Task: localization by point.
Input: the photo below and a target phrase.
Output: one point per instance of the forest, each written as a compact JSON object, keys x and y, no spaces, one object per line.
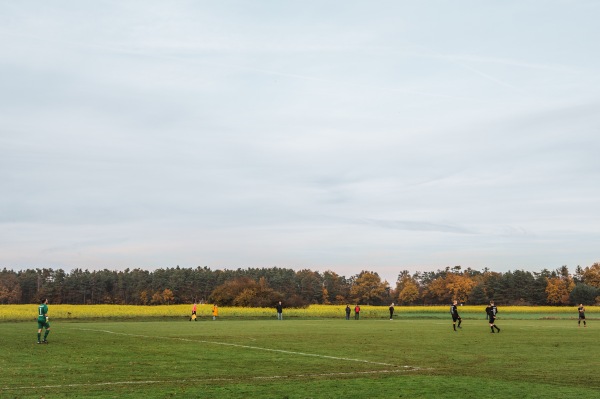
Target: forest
{"x":263,"y":287}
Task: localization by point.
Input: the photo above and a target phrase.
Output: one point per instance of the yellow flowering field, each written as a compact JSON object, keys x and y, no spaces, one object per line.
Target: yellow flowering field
{"x":29,"y":312}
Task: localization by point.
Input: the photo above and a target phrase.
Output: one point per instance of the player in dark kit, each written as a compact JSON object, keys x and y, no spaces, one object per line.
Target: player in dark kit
{"x":455,"y":316}
{"x":491,"y":312}
{"x":581,"y":311}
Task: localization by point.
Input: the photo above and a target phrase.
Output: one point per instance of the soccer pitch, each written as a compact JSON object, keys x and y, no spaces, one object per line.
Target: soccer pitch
{"x":303,"y":358}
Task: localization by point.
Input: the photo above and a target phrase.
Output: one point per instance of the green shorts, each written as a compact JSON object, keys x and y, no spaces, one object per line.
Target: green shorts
{"x":43,"y":324}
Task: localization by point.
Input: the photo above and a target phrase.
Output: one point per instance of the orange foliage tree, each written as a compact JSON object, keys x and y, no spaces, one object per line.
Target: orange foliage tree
{"x":368,"y":289}
{"x":460,"y":286}
{"x":407,"y":289}
{"x":591,"y":275}
{"x":168,"y":296}
{"x":558,"y":290}
{"x":451,"y":286}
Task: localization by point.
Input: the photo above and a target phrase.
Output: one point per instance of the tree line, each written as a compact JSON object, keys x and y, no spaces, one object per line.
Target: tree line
{"x":254,"y":287}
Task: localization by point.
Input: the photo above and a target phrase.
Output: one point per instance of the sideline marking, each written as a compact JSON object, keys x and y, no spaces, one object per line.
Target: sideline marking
{"x":272,"y":377}
{"x":250,"y":347}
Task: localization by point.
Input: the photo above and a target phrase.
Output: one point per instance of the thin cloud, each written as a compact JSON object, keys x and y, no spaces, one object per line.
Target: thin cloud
{"x":408,"y":225}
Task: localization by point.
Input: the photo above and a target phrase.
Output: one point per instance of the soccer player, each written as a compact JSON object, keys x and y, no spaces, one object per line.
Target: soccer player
{"x":215,"y":311}
{"x":581,"y":311}
{"x":193,"y":316}
{"x":42,"y":321}
{"x":279,"y":308}
{"x":491,"y":312}
{"x":391,"y":310}
{"x":455,"y":316}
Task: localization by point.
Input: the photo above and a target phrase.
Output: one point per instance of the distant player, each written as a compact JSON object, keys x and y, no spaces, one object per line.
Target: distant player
{"x":215,"y":311}
{"x":581,"y":311}
{"x":42,"y":321}
{"x":391,"y":310}
{"x":491,"y":312}
{"x":193,"y":316}
{"x":455,"y":316}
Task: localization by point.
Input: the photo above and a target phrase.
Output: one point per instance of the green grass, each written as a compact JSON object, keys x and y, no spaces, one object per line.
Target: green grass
{"x":504,"y":316}
{"x":406,"y":358}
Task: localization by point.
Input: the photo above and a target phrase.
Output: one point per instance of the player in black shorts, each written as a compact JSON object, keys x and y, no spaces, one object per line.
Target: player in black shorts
{"x":581,"y":311}
{"x":491,"y":312}
{"x":455,"y":316}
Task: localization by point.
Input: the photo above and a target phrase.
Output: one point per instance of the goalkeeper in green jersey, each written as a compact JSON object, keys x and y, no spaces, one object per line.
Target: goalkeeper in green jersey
{"x":43,"y":321}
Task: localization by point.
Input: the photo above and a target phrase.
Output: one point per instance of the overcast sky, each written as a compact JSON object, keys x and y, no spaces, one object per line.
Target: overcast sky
{"x":328,"y":135}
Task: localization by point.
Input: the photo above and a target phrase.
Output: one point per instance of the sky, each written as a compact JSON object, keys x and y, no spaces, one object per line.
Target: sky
{"x":323,"y":135}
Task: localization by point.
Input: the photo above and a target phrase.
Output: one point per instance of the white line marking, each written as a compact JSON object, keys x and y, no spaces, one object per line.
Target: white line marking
{"x":272,"y":377}
{"x":251,"y":347}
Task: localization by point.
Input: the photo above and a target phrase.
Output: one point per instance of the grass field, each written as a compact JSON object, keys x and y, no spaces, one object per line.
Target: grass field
{"x":301,"y":358}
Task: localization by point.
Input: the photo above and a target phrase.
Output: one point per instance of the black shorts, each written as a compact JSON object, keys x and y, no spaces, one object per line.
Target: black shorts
{"x":581,"y":316}
{"x":455,"y":317}
{"x":492,"y":319}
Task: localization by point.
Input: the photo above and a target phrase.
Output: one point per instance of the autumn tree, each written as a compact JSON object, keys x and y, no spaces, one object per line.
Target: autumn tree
{"x":226,"y":293}
{"x":245,"y":291}
{"x":325,"y":296}
{"x":144,"y":297}
{"x":167,"y":296}
{"x":369,"y":289}
{"x":10,"y":290}
{"x":407,"y":288}
{"x":450,"y":286}
{"x":436,"y":291}
{"x":459,"y":286}
{"x":157,"y":298}
{"x":591,"y":275}
{"x":264,"y":296}
{"x":558,"y":290}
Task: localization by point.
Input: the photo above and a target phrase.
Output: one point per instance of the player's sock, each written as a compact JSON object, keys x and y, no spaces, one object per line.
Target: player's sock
{"x":459,"y":321}
{"x":492,"y":328}
{"x":39,"y":337}
{"x":46,"y":334}
{"x":454,"y":327}
{"x":497,"y":328}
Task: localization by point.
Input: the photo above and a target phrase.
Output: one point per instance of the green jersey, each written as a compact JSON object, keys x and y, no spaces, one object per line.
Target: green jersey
{"x":42,"y":312}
